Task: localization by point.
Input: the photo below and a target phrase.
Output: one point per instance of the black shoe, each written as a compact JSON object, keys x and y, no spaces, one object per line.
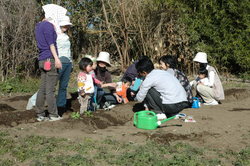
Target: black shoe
{"x":61,"y":110}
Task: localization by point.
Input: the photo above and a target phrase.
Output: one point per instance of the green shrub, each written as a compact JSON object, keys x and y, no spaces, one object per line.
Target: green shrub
{"x":15,"y":85}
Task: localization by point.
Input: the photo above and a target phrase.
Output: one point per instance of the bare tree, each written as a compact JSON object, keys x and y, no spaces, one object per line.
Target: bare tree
{"x":18,"y":48}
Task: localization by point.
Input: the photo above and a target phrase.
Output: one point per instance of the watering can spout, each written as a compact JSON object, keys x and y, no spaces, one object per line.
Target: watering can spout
{"x":165,"y":120}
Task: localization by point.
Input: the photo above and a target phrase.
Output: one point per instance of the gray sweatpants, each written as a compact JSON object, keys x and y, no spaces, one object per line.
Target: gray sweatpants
{"x":47,"y":90}
{"x":83,"y":100}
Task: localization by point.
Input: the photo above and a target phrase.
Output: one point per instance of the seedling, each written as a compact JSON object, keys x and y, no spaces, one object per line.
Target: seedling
{"x":75,"y":115}
{"x":88,"y":113}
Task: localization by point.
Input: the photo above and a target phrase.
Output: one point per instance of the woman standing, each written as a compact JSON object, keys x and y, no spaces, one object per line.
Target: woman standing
{"x":64,"y":52}
{"x":49,"y":62}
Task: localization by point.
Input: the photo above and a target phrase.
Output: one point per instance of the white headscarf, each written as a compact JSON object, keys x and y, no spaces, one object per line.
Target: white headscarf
{"x":54,"y":13}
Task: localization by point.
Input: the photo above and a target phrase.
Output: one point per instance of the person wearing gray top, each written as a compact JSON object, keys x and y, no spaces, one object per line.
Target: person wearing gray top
{"x":160,"y":90}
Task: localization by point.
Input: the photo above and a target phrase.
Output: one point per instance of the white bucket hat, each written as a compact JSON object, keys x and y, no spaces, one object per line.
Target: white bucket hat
{"x":64,"y":21}
{"x":103,"y":57}
{"x":200,"y":57}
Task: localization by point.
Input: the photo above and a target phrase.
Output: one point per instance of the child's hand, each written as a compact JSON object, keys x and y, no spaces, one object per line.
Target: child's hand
{"x":132,"y":93}
{"x":126,"y":101}
{"x":82,"y":93}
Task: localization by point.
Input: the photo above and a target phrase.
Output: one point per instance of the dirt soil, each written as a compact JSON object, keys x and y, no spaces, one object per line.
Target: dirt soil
{"x":224,"y":127}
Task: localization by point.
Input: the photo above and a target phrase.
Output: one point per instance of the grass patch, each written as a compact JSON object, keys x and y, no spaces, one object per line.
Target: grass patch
{"x":59,"y":160}
{"x":46,"y":151}
{"x":243,"y":157}
{"x":233,"y":84}
{"x":16,"y":85}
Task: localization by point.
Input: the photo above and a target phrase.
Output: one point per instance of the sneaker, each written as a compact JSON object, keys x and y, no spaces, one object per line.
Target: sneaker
{"x":108,"y":106}
{"x":111,"y":106}
{"x":145,"y":107}
{"x":214,"y":102}
{"x":55,"y":118}
{"x":180,"y":116}
{"x":161,"y":116}
{"x":41,"y":118}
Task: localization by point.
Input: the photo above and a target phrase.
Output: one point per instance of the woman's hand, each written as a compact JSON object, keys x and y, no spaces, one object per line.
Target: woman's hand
{"x":113,"y":84}
{"x":58,"y":63}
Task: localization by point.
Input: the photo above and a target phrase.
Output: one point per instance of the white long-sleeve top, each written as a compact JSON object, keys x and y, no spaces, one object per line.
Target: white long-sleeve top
{"x":211,"y":76}
{"x":209,"y":81}
{"x":64,"y":46}
{"x":166,"y":84}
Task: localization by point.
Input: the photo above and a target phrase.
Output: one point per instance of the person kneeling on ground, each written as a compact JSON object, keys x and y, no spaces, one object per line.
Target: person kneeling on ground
{"x":212,"y":93}
{"x":160,"y":91}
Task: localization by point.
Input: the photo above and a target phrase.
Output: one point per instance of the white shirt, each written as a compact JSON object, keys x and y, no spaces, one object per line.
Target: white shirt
{"x":166,"y":84}
{"x":211,"y":76}
{"x":63,"y":46}
{"x":209,"y":80}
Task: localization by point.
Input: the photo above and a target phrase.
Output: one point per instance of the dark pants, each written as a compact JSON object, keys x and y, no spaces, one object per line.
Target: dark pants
{"x":129,"y":96}
{"x":47,"y":90}
{"x":154,"y":102}
{"x":102,"y":97}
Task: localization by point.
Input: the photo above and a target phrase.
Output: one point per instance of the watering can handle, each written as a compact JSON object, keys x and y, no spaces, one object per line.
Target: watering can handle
{"x":135,"y":118}
{"x":196,"y":98}
{"x":150,"y":112}
{"x":136,"y":115}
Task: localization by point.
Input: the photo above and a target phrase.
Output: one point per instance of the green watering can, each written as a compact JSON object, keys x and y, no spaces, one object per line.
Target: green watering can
{"x":148,"y":120}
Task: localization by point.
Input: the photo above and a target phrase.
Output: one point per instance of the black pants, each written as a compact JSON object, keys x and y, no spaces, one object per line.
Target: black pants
{"x":129,"y":96}
{"x":103,"y":97}
{"x":154,"y":102}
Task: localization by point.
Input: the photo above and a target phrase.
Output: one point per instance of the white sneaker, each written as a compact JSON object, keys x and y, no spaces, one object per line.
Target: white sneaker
{"x":214,"y":102}
{"x":55,"y":118}
{"x":145,"y":107}
{"x":111,"y":106}
{"x":40,"y":118}
{"x":161,"y":116}
{"x":108,"y":106}
{"x":180,"y":116}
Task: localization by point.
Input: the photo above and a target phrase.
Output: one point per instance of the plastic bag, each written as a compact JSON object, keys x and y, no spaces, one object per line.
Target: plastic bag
{"x":31,"y":102}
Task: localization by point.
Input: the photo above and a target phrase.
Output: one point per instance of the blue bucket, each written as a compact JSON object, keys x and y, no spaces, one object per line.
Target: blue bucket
{"x":196,"y":102}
